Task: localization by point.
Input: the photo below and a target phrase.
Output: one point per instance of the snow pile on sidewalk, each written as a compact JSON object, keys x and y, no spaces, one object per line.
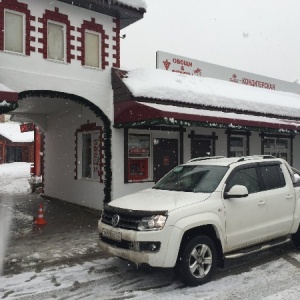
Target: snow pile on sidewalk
{"x":14,"y":178}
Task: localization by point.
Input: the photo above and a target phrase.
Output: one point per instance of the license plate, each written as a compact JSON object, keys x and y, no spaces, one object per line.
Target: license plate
{"x":113,"y":235}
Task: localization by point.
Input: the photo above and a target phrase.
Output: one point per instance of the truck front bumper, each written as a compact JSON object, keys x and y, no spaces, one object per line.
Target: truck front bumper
{"x":139,"y":247}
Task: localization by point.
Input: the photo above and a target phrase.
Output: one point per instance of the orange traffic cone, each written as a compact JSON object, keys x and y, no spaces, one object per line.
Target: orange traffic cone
{"x":40,"y":219}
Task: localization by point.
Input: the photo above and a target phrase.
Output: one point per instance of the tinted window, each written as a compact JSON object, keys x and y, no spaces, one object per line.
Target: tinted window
{"x":272,"y":177}
{"x":246,"y":177}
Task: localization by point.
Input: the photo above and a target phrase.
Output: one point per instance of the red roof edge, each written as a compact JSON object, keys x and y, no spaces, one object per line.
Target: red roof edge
{"x":9,"y":96}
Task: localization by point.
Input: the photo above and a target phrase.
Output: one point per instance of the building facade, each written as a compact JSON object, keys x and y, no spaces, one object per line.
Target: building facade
{"x":108,"y":132}
{"x":14,"y":145}
{"x":57,"y":56}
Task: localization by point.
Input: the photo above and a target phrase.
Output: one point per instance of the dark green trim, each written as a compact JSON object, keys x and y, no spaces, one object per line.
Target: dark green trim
{"x":7,"y":108}
{"x":99,"y":113}
{"x":167,"y":121}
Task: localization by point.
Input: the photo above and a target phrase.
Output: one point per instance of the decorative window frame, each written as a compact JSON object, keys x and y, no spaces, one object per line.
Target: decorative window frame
{"x":89,"y":128}
{"x":22,"y":8}
{"x":92,"y":26}
{"x":116,"y":39}
{"x":56,"y":17}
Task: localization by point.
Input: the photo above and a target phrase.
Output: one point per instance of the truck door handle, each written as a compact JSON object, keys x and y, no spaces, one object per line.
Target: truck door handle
{"x":289,"y":197}
{"x":261,"y":202}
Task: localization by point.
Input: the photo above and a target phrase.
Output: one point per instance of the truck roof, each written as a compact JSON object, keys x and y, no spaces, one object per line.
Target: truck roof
{"x":226,"y":161}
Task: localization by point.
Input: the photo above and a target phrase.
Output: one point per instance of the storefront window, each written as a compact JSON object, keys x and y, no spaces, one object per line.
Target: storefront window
{"x":237,"y":146}
{"x":277,"y":147}
{"x":138,"y":156}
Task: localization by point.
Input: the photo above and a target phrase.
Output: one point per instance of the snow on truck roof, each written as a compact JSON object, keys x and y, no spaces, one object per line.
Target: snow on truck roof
{"x":226,"y":161}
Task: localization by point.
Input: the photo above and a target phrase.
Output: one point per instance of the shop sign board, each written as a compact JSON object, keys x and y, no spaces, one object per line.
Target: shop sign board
{"x":26,"y":127}
{"x":179,"y":64}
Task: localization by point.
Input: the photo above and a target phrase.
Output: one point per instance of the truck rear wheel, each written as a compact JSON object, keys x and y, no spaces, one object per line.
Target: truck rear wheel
{"x":296,"y":238}
{"x":197,"y":262}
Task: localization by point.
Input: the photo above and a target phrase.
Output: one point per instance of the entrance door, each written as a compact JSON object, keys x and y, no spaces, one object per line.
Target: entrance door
{"x":165,"y":157}
{"x":201,"y":148}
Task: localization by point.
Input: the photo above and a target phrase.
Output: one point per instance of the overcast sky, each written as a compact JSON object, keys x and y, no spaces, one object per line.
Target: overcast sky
{"x":257,"y":36}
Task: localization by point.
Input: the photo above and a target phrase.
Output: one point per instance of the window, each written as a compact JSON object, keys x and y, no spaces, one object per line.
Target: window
{"x":89,"y":147}
{"x":237,"y":146}
{"x":272,"y":177}
{"x":92,"y":49}
{"x":246,"y":177}
{"x":138,"y":156}
{"x":278,"y":147}
{"x":14,"y":32}
{"x":56,"y":41}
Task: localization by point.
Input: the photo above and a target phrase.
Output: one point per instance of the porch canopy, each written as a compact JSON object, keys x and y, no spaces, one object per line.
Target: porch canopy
{"x":154,"y":97}
{"x":8,"y":99}
{"x":127,"y":11}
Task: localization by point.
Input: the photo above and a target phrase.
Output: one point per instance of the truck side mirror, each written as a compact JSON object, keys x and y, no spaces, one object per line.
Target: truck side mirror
{"x":237,"y":191}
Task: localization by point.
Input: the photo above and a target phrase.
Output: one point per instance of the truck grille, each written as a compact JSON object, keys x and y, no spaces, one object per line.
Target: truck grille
{"x":129,"y":219}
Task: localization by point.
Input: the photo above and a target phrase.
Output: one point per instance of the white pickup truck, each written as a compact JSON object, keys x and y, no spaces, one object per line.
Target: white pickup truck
{"x":203,"y":212}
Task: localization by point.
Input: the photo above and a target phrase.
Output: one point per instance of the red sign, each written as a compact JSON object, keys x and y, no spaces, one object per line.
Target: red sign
{"x":27,"y":127}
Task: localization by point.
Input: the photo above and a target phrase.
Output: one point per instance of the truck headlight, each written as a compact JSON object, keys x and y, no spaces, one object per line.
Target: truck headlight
{"x":152,"y":223}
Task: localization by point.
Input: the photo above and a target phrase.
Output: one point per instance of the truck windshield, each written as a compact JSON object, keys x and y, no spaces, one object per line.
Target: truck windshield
{"x":196,"y":179}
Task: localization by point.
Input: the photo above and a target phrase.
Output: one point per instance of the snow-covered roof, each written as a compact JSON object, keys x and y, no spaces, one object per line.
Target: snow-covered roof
{"x":4,"y":103}
{"x":165,"y":85}
{"x":12,"y":132}
{"x":4,"y":88}
{"x":134,"y":3}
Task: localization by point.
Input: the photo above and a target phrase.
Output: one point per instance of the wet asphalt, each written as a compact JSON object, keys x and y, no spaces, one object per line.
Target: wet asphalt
{"x":70,"y":233}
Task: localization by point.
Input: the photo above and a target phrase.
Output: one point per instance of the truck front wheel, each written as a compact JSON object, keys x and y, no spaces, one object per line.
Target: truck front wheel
{"x":198,"y":259}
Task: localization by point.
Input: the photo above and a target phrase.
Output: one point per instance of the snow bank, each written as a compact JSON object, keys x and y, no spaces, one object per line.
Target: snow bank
{"x":14,"y":178}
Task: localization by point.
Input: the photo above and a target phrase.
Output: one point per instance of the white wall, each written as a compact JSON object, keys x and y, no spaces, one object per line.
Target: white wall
{"x":21,"y":72}
{"x":59,"y":160}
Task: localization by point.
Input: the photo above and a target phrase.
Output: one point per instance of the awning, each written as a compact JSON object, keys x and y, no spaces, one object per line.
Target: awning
{"x":8,"y":99}
{"x":132,"y":114}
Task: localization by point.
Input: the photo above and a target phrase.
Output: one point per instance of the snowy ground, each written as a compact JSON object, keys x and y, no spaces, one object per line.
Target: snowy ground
{"x":13,"y":181}
{"x":112,"y":278}
{"x":270,"y":275}
{"x":70,"y":232}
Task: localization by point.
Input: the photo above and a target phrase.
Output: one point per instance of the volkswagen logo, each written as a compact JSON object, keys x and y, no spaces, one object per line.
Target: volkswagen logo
{"x":115,"y":220}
